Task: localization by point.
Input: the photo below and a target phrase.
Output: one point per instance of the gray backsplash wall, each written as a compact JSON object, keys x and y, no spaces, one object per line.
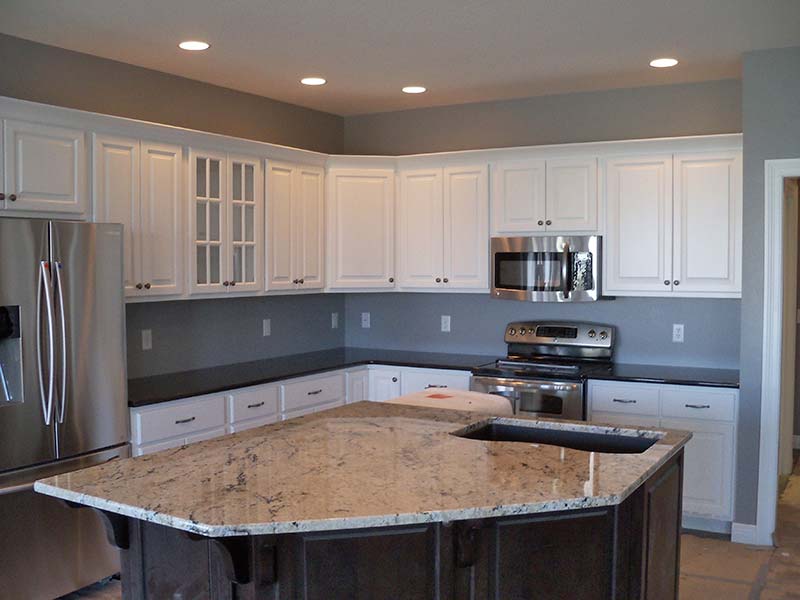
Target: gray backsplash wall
{"x":412,"y":322}
{"x":193,"y":334}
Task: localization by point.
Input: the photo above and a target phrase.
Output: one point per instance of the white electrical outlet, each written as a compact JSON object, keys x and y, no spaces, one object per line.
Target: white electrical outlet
{"x":266,"y":327}
{"x":335,"y":320}
{"x":446,"y":323}
{"x":677,"y":333}
{"x":365,"y":320}
{"x":147,"y":339}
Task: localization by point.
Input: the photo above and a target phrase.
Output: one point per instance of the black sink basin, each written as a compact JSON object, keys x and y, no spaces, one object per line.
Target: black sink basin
{"x":492,"y":431}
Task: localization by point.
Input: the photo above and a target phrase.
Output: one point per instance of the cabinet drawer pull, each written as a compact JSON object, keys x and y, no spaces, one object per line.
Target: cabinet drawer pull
{"x":433,"y":385}
{"x":256,"y":405}
{"x":624,"y":401}
{"x":314,"y":392}
{"x":184,"y":421}
{"x":697,"y":405}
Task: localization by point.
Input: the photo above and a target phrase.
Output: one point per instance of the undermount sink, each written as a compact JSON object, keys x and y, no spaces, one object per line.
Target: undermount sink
{"x":494,"y":430}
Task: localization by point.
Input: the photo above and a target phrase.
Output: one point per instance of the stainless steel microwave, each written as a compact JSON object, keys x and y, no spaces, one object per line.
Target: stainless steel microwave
{"x":547,"y":268}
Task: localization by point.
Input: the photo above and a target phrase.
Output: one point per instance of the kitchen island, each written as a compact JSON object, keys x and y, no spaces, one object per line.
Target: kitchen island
{"x":389,"y":501}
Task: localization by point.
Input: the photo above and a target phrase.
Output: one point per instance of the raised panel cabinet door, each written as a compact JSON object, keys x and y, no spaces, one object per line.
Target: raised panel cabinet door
{"x":281,"y":227}
{"x":357,"y":386}
{"x":209,"y":215}
{"x":162,"y":240}
{"x":572,"y":194}
{"x":116,"y":200}
{"x":310,"y":228}
{"x":245,"y":229}
{"x":708,"y":467}
{"x":420,"y":243}
{"x":361,"y":229}
{"x":518,"y":197}
{"x":45,"y":168}
{"x":466,"y":228}
{"x":708,"y":223}
{"x":638,"y":242}
{"x":384,"y":384}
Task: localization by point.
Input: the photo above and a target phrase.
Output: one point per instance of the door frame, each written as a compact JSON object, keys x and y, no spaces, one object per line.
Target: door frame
{"x":775,"y":171}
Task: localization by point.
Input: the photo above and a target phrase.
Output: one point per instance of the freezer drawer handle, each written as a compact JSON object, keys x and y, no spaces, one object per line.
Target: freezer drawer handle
{"x":256,"y":405}
{"x":62,"y":403}
{"x":183,"y":421}
{"x":314,"y":392}
{"x":697,"y":405}
{"x":44,"y":284}
{"x":624,"y":401}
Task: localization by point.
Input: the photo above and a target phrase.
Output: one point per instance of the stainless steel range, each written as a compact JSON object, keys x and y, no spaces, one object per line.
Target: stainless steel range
{"x":546,"y":367}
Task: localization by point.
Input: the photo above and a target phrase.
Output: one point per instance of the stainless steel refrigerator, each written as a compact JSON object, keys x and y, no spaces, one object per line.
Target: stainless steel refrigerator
{"x":63,"y":397}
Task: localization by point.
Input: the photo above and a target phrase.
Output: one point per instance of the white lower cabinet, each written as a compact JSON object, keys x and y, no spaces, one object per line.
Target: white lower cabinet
{"x":357,"y":385}
{"x":384,"y":383}
{"x":710,"y":456}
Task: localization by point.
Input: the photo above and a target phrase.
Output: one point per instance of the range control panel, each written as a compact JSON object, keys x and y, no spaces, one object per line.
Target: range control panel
{"x":543,"y":333}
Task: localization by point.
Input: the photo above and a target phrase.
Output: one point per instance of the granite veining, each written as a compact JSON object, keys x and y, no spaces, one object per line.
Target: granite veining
{"x":362,"y":465}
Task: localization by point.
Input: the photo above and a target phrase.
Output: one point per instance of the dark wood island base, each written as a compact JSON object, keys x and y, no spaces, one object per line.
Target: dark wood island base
{"x":625,"y":552}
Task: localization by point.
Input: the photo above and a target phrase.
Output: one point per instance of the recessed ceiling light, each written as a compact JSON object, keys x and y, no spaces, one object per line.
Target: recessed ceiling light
{"x":414,"y":89}
{"x":313,"y":81}
{"x":661,"y":63}
{"x":193,"y":45}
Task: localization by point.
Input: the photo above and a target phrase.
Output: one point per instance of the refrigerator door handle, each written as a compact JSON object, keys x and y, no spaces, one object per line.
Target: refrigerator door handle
{"x":62,"y":401}
{"x":44,"y":285}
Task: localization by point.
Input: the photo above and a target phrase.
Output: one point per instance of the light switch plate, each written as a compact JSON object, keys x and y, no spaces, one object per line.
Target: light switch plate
{"x":446,"y":323}
{"x":334,"y":320}
{"x":677,"y":333}
{"x":365,"y":320}
{"x":147,"y":339}
{"x":266,"y":327}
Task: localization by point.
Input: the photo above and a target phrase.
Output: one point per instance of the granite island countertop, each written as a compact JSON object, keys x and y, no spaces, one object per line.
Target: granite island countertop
{"x":362,"y":465}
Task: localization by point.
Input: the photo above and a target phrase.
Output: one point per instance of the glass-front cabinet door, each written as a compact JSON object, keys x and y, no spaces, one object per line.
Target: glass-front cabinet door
{"x":246,"y":193}
{"x":210,"y":256}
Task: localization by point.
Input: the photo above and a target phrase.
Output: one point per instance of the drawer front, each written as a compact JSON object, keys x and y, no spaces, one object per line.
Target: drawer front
{"x":625,"y":420}
{"x":205,"y":435}
{"x":419,"y":380}
{"x":313,"y":392}
{"x":312,"y":409}
{"x":180,"y":419}
{"x":698,"y":403}
{"x":632,"y":399}
{"x":253,"y":403}
{"x":253,"y":423}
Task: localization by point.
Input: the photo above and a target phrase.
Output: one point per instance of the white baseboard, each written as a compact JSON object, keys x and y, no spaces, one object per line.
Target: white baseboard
{"x":796,"y":442}
{"x":705,"y":524}
{"x":742,"y":533}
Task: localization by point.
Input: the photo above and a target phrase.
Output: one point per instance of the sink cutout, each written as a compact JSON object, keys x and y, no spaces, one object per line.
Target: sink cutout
{"x":613,"y":443}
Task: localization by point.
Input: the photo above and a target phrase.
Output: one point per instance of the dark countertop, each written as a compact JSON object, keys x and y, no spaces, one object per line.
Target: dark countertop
{"x":161,"y":388}
{"x":172,"y":386}
{"x":670,"y":375}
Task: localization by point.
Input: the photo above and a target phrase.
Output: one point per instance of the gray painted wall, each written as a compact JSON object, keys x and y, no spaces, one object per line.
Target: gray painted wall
{"x":42,"y":73}
{"x":193,"y":334}
{"x":408,"y":321}
{"x":660,"y":111}
{"x":771,"y":127}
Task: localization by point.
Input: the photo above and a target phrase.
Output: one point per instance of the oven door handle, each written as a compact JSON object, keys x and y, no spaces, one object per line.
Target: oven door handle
{"x":565,"y":270}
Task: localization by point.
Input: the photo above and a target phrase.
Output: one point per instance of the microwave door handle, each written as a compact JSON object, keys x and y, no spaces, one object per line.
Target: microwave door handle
{"x":565,"y":270}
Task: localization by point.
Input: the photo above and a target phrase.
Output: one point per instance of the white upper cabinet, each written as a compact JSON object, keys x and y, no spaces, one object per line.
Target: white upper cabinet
{"x":45,"y":169}
{"x":674,"y":225}
{"x":466,"y":228}
{"x":420,"y":240}
{"x":707,"y":223}
{"x":295,"y":227}
{"x":518,"y":197}
{"x":571,"y":194}
{"x":162,"y":238}
{"x":246,"y":203}
{"x":360,"y":229}
{"x":638,"y":241}
{"x":138,"y":184}
{"x":554,"y":195}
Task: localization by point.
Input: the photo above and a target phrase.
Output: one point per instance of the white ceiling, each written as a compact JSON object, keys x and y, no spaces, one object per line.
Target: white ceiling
{"x":462,"y":50}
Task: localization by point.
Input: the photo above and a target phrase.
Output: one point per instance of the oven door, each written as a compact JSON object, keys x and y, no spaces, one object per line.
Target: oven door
{"x":541,"y":397}
{"x":546,"y":268}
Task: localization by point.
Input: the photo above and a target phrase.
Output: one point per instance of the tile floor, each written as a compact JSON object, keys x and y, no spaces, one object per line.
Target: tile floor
{"x":711,"y":568}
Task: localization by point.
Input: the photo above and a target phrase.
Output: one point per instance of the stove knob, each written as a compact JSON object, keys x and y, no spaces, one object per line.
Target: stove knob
{"x":591,"y":333}
{"x":603,"y":335}
{"x":522,"y":331}
{"x":512,"y":331}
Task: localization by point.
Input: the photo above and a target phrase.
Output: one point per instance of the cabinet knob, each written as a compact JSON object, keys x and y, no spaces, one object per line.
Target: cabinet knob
{"x":139,"y":286}
{"x":147,"y":285}
{"x":2,"y":196}
{"x":233,"y":283}
{"x":295,"y":281}
{"x":666,"y":282}
{"x":676,"y":282}
{"x":541,"y":222}
{"x":391,"y":279}
{"x":438,"y":280}
{"x":548,"y":222}
{"x":301,"y":281}
{"x":13,"y":197}
{"x":394,"y":379}
{"x":446,"y":280}
{"x":226,"y":283}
